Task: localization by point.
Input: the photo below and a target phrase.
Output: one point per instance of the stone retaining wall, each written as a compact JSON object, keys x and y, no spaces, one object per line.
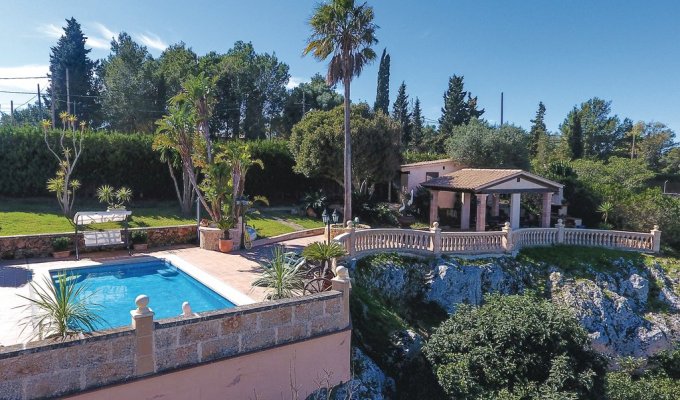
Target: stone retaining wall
{"x":181,"y":342}
{"x":26,"y":246}
{"x":50,"y":369}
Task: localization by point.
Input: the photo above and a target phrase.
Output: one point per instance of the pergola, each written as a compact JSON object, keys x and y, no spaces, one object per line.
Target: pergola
{"x":489,"y":184}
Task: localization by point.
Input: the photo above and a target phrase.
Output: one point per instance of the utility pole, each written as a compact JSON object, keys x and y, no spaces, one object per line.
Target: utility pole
{"x":68,"y":94}
{"x":52,"y":101}
{"x":11,"y":112}
{"x":501,"y":108}
{"x":303,"y":102}
{"x":39,"y":102}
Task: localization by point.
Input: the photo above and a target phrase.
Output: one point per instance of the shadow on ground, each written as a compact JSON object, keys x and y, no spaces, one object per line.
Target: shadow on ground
{"x":14,"y":276}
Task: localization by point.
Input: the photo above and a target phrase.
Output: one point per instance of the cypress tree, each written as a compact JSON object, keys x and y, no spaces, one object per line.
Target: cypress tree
{"x":575,"y":135}
{"x":416,"y":126}
{"x":382,"y":97}
{"x":70,"y":52}
{"x":402,"y":116}
{"x":472,"y":108}
{"x":538,"y":129}
{"x":455,"y":111}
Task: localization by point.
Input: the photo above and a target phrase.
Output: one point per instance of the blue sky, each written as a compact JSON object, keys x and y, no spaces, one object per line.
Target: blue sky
{"x":558,"y":52}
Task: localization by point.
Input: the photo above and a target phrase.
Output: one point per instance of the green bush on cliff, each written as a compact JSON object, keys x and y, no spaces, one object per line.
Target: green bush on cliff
{"x":515,"y":347}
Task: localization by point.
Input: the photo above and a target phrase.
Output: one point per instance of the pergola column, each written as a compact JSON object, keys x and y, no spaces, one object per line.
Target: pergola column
{"x":481,"y":212}
{"x":515,"y":200}
{"x":495,"y":204}
{"x":434,"y":206}
{"x":545,"y":212}
{"x":466,"y":199}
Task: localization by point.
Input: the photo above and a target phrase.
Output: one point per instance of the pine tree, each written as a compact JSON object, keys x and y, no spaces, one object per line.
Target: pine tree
{"x":416,"y":126}
{"x":455,"y":111}
{"x":538,"y":129}
{"x":382,"y":97}
{"x":573,"y":132}
{"x":402,"y":116}
{"x":70,"y":53}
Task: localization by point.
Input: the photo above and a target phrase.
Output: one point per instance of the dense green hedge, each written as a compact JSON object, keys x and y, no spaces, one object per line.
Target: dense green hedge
{"x":108,"y":158}
{"x":127,"y":159}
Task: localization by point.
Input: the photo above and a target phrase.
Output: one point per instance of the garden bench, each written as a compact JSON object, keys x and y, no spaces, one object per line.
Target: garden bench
{"x":109,"y":237}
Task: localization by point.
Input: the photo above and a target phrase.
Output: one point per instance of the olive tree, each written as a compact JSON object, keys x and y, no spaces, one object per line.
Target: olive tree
{"x":515,"y":347}
{"x":317,"y":141}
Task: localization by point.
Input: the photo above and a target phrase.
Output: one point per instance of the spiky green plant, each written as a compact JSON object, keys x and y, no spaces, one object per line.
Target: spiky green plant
{"x":61,"y":310}
{"x":281,"y":276}
{"x":323,"y":252}
{"x":605,"y":208}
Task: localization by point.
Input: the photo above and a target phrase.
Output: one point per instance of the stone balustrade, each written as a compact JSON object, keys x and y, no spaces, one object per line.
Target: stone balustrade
{"x":436,"y":242}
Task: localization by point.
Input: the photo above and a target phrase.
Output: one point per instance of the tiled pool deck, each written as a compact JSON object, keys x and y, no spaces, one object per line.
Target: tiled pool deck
{"x":231,"y":272}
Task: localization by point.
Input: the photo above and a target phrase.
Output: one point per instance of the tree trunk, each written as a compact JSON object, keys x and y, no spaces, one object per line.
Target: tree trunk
{"x":348,"y":157}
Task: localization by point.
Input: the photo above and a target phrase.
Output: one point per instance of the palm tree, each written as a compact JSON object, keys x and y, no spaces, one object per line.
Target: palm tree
{"x":345,"y":31}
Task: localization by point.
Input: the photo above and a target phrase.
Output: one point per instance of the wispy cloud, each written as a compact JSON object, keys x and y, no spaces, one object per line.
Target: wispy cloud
{"x":98,"y":43}
{"x":294,"y":82}
{"x":105,"y":32}
{"x":99,"y":36}
{"x":152,"y":41}
{"x":50,"y":30}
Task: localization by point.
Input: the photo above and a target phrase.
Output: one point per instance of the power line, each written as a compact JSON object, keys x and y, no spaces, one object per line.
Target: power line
{"x":26,"y":77}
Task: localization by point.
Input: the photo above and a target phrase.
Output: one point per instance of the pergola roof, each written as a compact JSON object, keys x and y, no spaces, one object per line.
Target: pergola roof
{"x":491,"y":181}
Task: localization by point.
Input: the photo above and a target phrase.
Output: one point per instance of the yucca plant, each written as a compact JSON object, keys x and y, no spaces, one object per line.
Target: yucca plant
{"x":61,"y":310}
{"x":323,"y":252}
{"x":605,"y":208}
{"x":115,"y":199}
{"x":281,"y":276}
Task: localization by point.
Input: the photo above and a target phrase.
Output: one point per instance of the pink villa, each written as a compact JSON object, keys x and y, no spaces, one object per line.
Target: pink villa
{"x":495,"y":193}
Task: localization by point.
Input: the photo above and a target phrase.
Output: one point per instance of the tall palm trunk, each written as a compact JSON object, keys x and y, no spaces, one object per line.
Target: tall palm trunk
{"x":348,"y":156}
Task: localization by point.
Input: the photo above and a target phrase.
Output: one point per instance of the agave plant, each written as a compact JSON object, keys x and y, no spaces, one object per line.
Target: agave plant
{"x":61,"y":310}
{"x":323,"y":252}
{"x":281,"y":276}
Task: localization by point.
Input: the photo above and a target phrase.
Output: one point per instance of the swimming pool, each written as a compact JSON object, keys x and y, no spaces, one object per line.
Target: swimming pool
{"x":116,"y":286}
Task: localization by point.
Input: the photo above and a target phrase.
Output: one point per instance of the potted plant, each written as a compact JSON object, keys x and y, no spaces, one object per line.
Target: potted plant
{"x":114,"y":199}
{"x":140,"y":240}
{"x":226,"y":244}
{"x":60,"y":247}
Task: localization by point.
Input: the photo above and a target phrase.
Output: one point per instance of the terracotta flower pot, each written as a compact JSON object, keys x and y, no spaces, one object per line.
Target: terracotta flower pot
{"x":226,"y":245}
{"x":61,"y":254}
{"x":140,"y":246}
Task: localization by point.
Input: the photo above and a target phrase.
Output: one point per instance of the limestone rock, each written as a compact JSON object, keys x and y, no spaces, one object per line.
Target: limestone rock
{"x":369,"y":382}
{"x":454,"y":283}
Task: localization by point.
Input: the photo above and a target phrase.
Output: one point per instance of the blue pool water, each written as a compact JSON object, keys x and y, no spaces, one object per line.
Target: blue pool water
{"x":115,"y":288}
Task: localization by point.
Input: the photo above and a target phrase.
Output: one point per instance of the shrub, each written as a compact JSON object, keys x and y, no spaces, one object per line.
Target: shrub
{"x":139,"y":237}
{"x":515,"y":347}
{"x":61,"y":243}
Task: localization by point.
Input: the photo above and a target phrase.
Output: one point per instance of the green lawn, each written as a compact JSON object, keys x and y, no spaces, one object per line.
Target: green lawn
{"x":42,"y":215}
{"x":305,"y":222}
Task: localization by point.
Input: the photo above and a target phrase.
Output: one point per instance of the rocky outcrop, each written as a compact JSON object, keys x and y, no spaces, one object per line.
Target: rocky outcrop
{"x":455,"y":281}
{"x":627,"y":307}
{"x":368,"y":383}
{"x":615,"y":310}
